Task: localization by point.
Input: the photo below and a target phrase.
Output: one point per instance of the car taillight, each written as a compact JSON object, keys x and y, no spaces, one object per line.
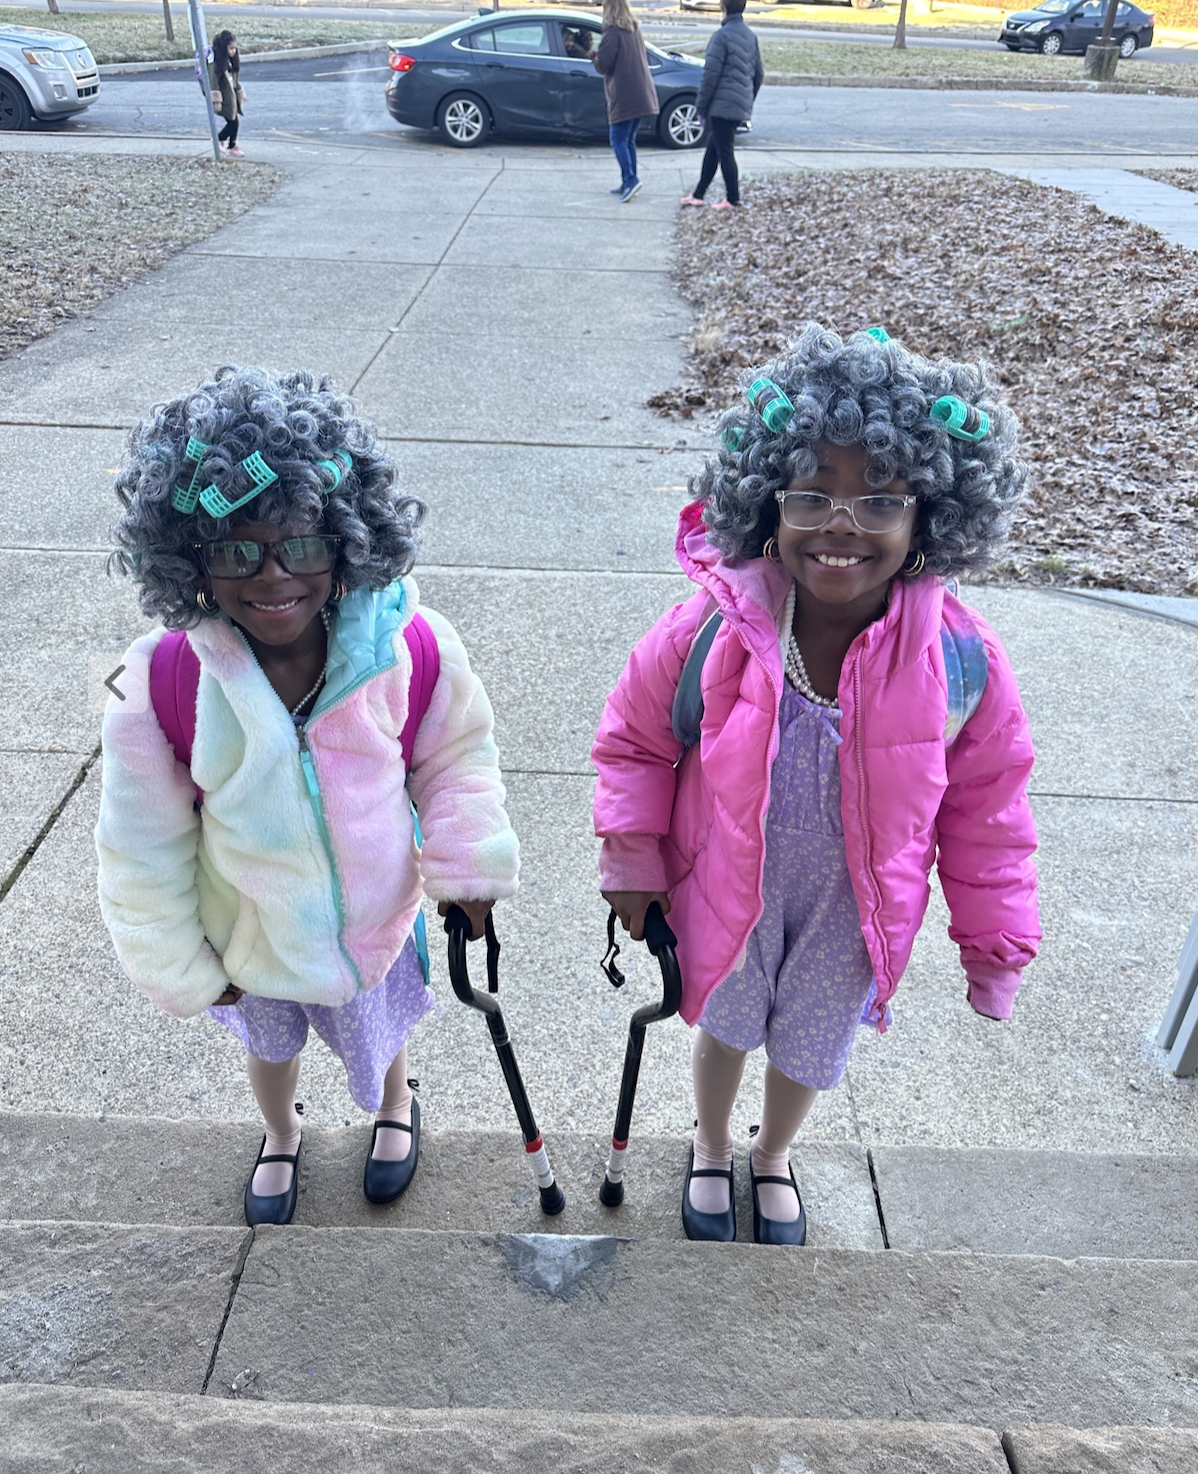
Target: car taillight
{"x":402,"y":63}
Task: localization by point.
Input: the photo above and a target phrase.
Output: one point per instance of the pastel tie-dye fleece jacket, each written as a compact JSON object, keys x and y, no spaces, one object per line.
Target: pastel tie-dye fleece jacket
{"x":300,"y":875}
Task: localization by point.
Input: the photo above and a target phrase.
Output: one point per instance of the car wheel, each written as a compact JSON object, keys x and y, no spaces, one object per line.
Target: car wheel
{"x":463,"y":120}
{"x":15,"y":115}
{"x":1128,"y":46}
{"x":679,"y":125}
{"x":1051,"y":44}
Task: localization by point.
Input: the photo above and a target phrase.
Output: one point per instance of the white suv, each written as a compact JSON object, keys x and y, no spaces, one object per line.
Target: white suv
{"x":44,"y":75}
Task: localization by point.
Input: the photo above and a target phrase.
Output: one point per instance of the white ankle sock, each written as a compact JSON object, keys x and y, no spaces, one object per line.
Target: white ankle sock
{"x":390,"y":1145}
{"x":785,"y":1108}
{"x":274,"y":1088}
{"x":716,"y":1069}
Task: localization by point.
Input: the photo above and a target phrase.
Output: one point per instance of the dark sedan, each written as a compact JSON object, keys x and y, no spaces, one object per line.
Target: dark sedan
{"x":1059,"y":26}
{"x":523,"y":71}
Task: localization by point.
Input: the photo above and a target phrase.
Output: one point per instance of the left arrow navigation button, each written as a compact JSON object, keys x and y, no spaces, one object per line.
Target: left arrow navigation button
{"x":112,"y":685}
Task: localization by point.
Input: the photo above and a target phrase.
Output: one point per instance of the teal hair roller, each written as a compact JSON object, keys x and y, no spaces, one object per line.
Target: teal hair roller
{"x":771,"y":404}
{"x":213,"y":500}
{"x":732,"y":437}
{"x":184,"y":498}
{"x":879,"y":335}
{"x":962,"y":421}
{"x":337,"y":467}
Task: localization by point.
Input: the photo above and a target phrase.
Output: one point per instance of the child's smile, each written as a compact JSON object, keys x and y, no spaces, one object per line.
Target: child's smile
{"x":839,"y":563}
{"x":274,"y":607}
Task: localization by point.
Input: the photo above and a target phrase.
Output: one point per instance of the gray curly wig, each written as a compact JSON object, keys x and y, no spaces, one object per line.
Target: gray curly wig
{"x":294,"y":420}
{"x":877,"y":395}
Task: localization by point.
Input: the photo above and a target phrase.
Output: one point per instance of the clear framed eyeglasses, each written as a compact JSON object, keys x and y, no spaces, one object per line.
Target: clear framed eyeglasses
{"x":879,"y":511}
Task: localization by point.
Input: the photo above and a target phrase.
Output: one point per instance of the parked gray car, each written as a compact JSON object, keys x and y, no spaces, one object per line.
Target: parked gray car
{"x":44,"y":76}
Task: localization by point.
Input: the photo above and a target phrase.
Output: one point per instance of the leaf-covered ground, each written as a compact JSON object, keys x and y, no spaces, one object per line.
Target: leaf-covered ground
{"x":77,"y":229}
{"x":1090,"y":323}
{"x":1178,"y":178}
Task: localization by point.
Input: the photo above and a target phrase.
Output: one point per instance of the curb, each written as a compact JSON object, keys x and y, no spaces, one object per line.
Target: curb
{"x":976,"y":84}
{"x":294,"y":53}
{"x":1156,"y":606}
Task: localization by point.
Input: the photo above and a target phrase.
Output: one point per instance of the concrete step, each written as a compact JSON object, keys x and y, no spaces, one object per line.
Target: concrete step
{"x":191,"y":1173}
{"x":49,"y":1429}
{"x":188,"y":1173}
{"x":439,"y":1319}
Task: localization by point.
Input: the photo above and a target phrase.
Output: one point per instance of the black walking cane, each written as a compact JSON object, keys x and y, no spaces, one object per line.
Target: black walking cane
{"x":457,"y":924}
{"x":661,"y":941}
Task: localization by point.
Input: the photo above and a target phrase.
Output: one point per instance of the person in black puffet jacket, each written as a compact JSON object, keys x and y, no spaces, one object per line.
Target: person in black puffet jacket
{"x":732,"y":77}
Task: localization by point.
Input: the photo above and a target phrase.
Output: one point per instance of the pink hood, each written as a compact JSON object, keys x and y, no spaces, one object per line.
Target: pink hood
{"x":908,"y":798}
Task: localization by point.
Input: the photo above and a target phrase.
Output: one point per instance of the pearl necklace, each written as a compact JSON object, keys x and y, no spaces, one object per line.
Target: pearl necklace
{"x":796,"y":674}
{"x":324,"y":669}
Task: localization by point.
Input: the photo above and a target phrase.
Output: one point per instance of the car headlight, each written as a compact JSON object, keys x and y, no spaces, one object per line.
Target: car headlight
{"x":1036,"y":25}
{"x":52,"y":61}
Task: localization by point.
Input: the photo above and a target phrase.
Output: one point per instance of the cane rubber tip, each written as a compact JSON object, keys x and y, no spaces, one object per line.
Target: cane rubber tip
{"x":553,"y":1200}
{"x":611,"y":1194}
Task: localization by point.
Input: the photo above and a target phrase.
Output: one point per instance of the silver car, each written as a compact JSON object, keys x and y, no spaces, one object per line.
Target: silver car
{"x":44,"y":76}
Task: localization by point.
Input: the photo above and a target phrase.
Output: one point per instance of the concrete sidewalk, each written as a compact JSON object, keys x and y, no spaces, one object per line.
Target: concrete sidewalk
{"x":502,"y":319}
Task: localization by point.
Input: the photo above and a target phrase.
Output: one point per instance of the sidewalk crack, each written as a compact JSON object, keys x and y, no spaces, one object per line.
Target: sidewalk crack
{"x":234,"y":1285}
{"x":43,"y":833}
{"x":440,"y":261}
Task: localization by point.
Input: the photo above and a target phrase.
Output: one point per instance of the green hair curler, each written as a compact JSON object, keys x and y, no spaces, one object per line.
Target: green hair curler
{"x":771,"y":404}
{"x":962,"y":421}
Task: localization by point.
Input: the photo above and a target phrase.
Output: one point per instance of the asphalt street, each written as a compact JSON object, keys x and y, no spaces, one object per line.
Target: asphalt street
{"x":340,"y":99}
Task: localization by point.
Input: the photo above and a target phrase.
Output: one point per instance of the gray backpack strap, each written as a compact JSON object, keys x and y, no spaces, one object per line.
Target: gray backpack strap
{"x":966,"y":666}
{"x":686,"y":715}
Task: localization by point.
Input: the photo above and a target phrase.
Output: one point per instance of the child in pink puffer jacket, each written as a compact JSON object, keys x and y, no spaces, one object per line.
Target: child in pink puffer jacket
{"x":858,"y":723}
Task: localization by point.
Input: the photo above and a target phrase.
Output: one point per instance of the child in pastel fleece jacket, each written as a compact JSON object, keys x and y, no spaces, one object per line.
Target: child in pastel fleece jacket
{"x":277,"y":882}
{"x":859,"y":723}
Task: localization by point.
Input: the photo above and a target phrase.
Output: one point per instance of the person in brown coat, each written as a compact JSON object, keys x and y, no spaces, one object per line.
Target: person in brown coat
{"x":627,"y":87}
{"x":228,"y":95}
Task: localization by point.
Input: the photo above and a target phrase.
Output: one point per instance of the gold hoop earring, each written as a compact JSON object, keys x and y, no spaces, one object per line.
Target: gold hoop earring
{"x":770,"y":550}
{"x":338,"y":593}
{"x":913,"y":570}
{"x":207,"y":603}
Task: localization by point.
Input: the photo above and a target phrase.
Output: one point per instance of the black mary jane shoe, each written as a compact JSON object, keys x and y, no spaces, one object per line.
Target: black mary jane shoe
{"x":272,"y":1207}
{"x":383,"y":1182}
{"x":774,"y":1230}
{"x":718,"y":1228}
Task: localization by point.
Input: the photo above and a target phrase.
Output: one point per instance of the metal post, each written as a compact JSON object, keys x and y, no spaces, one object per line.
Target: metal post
{"x":199,"y":37}
{"x":166,"y":16}
{"x":1178,"y":1032}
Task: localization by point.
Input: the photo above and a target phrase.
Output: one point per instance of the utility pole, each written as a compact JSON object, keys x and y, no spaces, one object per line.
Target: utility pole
{"x":170,"y":24}
{"x":199,"y":38}
{"x":1103,"y":56}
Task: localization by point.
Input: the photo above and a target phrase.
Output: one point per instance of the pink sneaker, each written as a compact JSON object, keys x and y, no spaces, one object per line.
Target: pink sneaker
{"x":724,"y":205}
{"x":235,"y":152}
{"x":690,"y":199}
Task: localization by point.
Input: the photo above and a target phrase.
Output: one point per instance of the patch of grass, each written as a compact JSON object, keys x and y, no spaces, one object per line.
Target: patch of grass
{"x":1090,"y":323}
{"x":132,"y":36}
{"x":76,"y":228}
{"x":858,"y":59}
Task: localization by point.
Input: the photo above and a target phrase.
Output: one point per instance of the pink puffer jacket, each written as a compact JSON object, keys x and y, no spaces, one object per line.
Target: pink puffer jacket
{"x":908,"y":797}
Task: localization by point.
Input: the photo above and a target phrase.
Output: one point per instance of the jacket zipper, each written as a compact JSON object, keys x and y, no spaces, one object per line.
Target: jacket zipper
{"x":317,"y":805}
{"x":862,"y":800}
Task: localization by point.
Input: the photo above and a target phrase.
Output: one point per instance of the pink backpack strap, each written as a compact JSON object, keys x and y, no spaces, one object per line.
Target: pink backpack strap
{"x":174,"y":681}
{"x":426,"y":667}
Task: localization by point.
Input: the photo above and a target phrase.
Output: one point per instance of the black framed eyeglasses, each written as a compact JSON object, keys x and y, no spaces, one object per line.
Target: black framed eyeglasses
{"x":808,"y":511}
{"x":242,"y":557}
